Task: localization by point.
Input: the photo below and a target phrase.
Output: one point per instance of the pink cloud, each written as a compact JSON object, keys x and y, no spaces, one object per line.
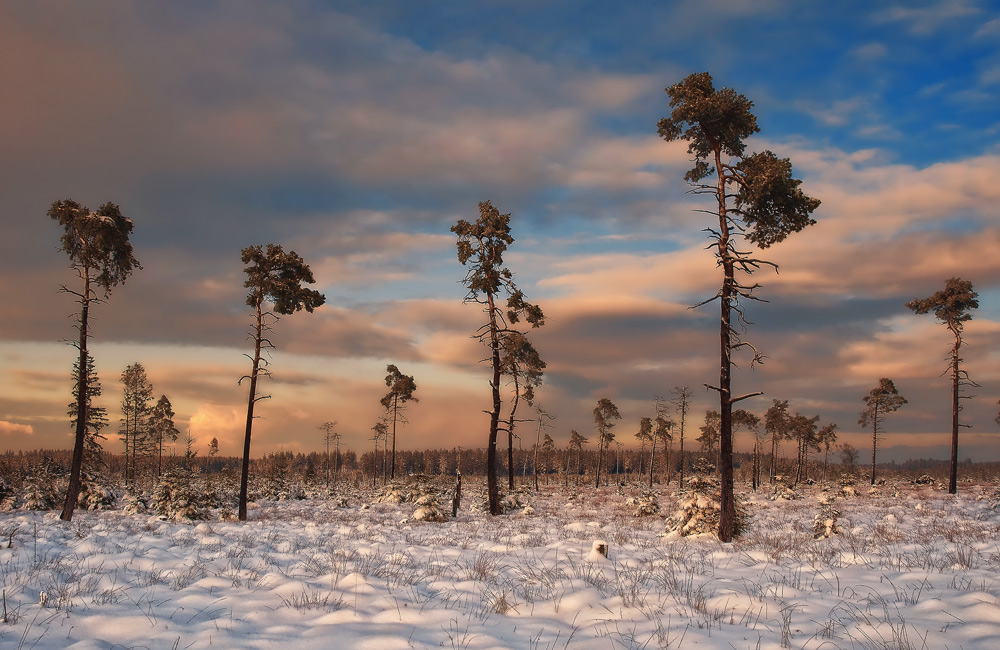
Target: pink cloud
{"x":14,"y":429}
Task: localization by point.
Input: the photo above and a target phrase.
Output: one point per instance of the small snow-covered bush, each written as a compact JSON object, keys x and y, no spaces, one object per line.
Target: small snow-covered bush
{"x":6,"y":495}
{"x":392,"y":493}
{"x":825,"y":523}
{"x":178,"y":496}
{"x":644,"y":505}
{"x":511,"y":502}
{"x":700,"y":510}
{"x":39,"y":488}
{"x":93,"y":493}
{"x":135,"y":503}
{"x":428,"y":509}
{"x":702,"y":466}
{"x":785,"y":493}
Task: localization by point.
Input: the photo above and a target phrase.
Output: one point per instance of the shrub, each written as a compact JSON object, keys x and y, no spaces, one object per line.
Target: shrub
{"x":700,"y":509}
{"x":644,"y":505}
{"x":93,"y":493}
{"x":39,"y":488}
{"x":825,"y":523}
{"x":178,"y":496}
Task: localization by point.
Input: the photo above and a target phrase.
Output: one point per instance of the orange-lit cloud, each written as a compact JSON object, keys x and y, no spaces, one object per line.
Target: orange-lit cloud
{"x":14,"y":429}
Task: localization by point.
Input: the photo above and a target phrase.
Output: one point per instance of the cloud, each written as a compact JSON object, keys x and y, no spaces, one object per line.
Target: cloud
{"x":990,"y":76}
{"x":221,"y":422}
{"x":931,"y":18}
{"x":870,"y":51}
{"x":989,"y":29}
{"x":14,"y":429}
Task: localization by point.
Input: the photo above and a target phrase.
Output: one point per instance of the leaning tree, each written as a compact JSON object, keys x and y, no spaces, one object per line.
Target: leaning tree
{"x":481,"y":246}
{"x":100,"y":252}
{"x":275,"y":277}
{"x":757,"y":200}
{"x":880,"y":400}
{"x":951,"y":306}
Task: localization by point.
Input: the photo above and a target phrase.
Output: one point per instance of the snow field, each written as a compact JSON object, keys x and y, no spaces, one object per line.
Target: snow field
{"x":914,"y":571}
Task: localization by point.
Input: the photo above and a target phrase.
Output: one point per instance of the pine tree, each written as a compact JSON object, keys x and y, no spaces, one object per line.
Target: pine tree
{"x":401,"y":389}
{"x":881,"y":400}
{"x":952,"y":306}
{"x":577,"y":441}
{"x":97,"y":416}
{"x":162,"y":429}
{"x":481,"y":245}
{"x":605,"y":414}
{"x":134,"y":429}
{"x":758,"y":201}
{"x":275,"y":277}
{"x":99,"y":250}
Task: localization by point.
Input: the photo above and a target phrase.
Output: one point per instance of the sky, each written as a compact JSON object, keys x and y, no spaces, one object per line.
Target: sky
{"x":358,"y":133}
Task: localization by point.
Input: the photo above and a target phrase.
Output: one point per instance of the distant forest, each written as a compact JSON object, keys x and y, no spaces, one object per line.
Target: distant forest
{"x":561,"y":466}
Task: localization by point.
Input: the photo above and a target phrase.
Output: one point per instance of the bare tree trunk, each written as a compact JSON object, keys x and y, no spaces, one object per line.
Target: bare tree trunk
{"x":395,"y":413}
{"x":600,"y":461}
{"x":670,"y":447}
{"x":534,"y":460}
{"x":652,"y":458}
{"x":874,"y":440}
{"x":774,"y":457}
{"x":493,"y":488}
{"x":510,"y":436}
{"x":251,"y":401}
{"x":955,"y":385}
{"x":727,"y":515}
{"x":73,"y":490}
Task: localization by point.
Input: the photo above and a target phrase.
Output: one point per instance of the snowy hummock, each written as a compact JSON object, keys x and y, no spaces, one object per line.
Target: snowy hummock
{"x":915,"y":571}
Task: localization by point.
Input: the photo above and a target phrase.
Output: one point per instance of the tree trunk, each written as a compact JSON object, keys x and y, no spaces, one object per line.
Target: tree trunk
{"x":493,"y":488}
{"x":754,"y":460}
{"x":774,"y":457}
{"x":874,"y":440}
{"x":510,"y":437}
{"x":73,"y":490}
{"x":670,"y":446}
{"x":600,"y":461}
{"x":798,"y":463}
{"x":955,"y":385}
{"x":251,"y":401}
{"x":727,"y":516}
{"x":652,"y":457}
{"x":534,"y":459}
{"x":395,"y":414}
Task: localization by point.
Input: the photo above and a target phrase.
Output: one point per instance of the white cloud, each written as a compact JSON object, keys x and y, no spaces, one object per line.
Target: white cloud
{"x":990,"y":29}
{"x":838,"y":113}
{"x":870,"y":51}
{"x":14,"y":429}
{"x":928,"y":19}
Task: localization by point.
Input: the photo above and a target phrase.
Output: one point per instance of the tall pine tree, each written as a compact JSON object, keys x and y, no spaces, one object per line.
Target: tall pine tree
{"x":100,"y":253}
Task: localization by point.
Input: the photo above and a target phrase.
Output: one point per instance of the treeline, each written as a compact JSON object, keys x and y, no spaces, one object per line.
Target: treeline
{"x":565,"y":466}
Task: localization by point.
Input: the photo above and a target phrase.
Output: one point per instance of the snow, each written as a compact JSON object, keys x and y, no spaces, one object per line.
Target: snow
{"x":918,"y":570}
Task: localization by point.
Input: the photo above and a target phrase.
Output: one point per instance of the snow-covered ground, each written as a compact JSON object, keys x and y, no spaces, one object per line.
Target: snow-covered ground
{"x":917,"y":570}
